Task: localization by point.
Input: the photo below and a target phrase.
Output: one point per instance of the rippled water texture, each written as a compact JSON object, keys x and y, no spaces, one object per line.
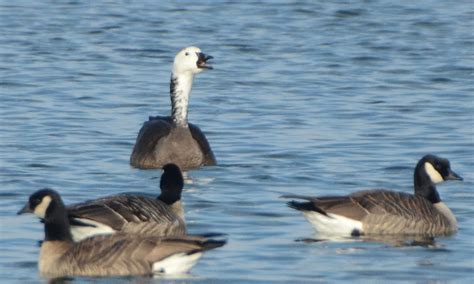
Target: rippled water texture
{"x":307,"y":97}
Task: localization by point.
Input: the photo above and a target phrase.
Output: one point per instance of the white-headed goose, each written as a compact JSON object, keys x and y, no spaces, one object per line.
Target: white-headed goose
{"x":118,"y":254}
{"x":128,"y":213}
{"x":382,"y":212}
{"x":171,"y":139}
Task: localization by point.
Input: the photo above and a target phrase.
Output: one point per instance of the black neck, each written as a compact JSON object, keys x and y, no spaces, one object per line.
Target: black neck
{"x":56,"y":224}
{"x":424,"y":187}
{"x":173,"y":83}
{"x":171,"y":184}
{"x":170,"y":196}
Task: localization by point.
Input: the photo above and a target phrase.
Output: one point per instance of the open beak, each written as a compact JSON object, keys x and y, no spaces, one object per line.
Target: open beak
{"x":25,"y":209}
{"x":453,"y":176}
{"x":202,"y":61}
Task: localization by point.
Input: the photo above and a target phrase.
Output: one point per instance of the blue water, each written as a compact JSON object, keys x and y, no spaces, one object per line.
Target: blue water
{"x":307,"y":97}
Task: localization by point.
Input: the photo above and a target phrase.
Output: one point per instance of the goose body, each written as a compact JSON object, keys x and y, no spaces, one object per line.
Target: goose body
{"x":172,"y":139}
{"x":135,"y":214}
{"x":386,"y":212}
{"x":121,"y":255}
{"x":110,"y":255}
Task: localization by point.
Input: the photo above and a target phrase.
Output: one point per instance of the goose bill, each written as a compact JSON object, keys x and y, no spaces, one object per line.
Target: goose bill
{"x":25,"y":209}
{"x":453,"y":176}
{"x":202,"y":61}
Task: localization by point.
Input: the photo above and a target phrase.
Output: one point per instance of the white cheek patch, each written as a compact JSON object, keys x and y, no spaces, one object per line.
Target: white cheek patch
{"x":434,"y":175}
{"x":40,"y":209}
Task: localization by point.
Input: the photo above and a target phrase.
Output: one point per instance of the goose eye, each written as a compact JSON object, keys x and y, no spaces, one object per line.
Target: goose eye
{"x":187,"y":53}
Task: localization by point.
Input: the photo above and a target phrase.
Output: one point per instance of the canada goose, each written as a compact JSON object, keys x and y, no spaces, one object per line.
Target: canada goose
{"x":171,"y":139}
{"x":118,"y":254}
{"x":382,"y":212}
{"x":128,"y":213}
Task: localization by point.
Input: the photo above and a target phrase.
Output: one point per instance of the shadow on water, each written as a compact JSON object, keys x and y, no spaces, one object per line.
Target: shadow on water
{"x":390,"y":241}
{"x":156,"y":278}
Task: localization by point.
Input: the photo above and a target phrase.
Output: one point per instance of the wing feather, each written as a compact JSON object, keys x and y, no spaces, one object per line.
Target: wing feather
{"x":131,"y":213}
{"x":151,"y":132}
{"x":121,"y":254}
{"x":209,"y":158}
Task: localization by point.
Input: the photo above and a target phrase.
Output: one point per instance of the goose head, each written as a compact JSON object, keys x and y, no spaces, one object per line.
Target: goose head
{"x":191,"y":60}
{"x":42,"y":203}
{"x":171,"y":184}
{"x":437,"y":169}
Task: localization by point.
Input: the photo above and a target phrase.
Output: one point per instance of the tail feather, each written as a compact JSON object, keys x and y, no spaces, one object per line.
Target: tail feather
{"x":209,"y":235}
{"x":296,"y":196}
{"x":306,"y":206}
{"x":208,"y":245}
{"x":212,"y":244}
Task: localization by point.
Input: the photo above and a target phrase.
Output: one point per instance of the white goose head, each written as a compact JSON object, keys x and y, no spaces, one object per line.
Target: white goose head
{"x":190,"y":60}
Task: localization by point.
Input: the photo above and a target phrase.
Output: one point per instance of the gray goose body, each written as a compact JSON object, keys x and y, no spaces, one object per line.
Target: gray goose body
{"x":111,"y":255}
{"x":160,"y":142}
{"x":130,"y":213}
{"x":172,"y":139}
{"x":386,"y":212}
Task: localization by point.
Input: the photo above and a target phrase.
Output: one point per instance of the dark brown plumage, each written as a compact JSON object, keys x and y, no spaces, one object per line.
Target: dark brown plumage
{"x":386,"y":212}
{"x":112,"y":255}
{"x":187,"y":156}
{"x":130,"y":213}
{"x":117,"y":255}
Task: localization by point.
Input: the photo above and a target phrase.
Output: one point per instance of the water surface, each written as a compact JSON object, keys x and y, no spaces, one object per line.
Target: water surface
{"x":307,"y":97}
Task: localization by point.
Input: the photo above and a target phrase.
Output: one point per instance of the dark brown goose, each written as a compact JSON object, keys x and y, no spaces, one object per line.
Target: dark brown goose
{"x":381,"y":212}
{"x":128,"y":213}
{"x":112,"y":255}
{"x":172,"y":139}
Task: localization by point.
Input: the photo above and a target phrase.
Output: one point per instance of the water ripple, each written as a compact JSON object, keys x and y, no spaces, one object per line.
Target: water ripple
{"x":312,"y":98}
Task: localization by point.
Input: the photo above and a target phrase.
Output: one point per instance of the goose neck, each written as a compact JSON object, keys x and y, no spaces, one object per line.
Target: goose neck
{"x":170,"y":197}
{"x":180,"y":89}
{"x":425,"y":188}
{"x":57,"y":227}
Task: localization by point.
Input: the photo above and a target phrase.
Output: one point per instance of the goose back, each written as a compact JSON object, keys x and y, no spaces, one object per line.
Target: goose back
{"x":159,"y":142}
{"x":390,"y":212}
{"x":127,"y":213}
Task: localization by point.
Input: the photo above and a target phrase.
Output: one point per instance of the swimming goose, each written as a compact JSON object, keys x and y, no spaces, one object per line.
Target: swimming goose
{"x":118,"y":254}
{"x":128,"y":213}
{"x":382,"y":212}
{"x":172,"y":139}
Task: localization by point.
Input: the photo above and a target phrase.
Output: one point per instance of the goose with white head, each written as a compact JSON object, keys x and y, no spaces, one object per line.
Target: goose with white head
{"x":109,"y":255}
{"x":172,"y":139}
{"x":386,"y":212}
